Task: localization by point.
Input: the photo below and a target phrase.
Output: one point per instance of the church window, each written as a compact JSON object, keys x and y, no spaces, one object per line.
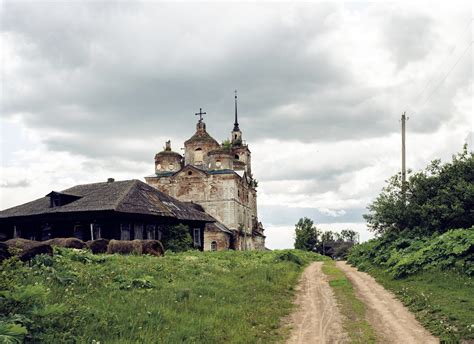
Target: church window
{"x":158,"y":166}
{"x":197,"y":237}
{"x":190,"y":173}
{"x":218,"y":163}
{"x":236,"y":157}
{"x":198,"y":155}
{"x":213,"y":246}
{"x":171,"y":167}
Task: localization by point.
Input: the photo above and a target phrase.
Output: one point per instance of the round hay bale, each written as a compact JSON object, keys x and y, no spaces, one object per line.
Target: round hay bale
{"x":67,"y":242}
{"x":27,"y":249}
{"x":4,"y":253}
{"x":98,"y":246}
{"x":153,"y":247}
{"x":124,"y":247}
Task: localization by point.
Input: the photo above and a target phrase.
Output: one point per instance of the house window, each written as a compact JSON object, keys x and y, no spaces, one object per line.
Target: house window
{"x":96,"y":231}
{"x":198,"y":155}
{"x":150,"y":232}
{"x":197,"y":237}
{"x":138,"y":229}
{"x":213,"y":246}
{"x":125,"y":231}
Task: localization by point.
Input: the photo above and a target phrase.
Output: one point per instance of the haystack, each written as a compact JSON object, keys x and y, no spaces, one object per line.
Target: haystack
{"x":124,"y":247}
{"x":152,"y":247}
{"x":98,"y":246}
{"x":67,"y":242}
{"x":27,"y":249}
{"x":4,"y":253}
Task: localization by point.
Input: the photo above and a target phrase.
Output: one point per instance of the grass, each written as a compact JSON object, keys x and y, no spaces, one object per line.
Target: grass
{"x":352,"y":309}
{"x":443,"y":301}
{"x":193,"y":297}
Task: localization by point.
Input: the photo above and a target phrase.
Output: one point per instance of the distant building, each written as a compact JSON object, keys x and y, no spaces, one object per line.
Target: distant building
{"x":123,"y":210}
{"x":219,"y":178}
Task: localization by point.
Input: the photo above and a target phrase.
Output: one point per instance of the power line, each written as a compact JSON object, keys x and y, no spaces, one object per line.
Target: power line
{"x":457,"y":40}
{"x":446,"y":76}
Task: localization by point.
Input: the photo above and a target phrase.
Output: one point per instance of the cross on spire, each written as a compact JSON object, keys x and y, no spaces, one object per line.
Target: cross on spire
{"x":200,"y":113}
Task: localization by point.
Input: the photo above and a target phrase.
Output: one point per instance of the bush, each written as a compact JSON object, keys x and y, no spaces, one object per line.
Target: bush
{"x":402,"y":257}
{"x":178,"y":239}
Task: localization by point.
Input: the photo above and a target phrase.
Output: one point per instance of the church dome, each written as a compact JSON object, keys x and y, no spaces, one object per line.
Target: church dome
{"x":168,"y":161}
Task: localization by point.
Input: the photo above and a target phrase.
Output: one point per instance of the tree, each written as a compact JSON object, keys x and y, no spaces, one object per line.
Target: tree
{"x":177,"y":238}
{"x":306,"y":235}
{"x":437,"y":199}
{"x":348,"y":235}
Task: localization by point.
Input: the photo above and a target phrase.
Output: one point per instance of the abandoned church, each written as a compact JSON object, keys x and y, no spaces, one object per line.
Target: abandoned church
{"x":219,"y":178}
{"x":210,"y":189}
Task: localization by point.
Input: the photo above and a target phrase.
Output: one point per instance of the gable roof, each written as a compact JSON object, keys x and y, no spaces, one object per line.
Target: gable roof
{"x":128,"y":196}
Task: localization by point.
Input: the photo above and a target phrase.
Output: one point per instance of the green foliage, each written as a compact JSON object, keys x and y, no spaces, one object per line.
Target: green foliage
{"x":401,"y":257}
{"x":306,"y":235}
{"x":437,"y":199}
{"x":12,"y":333}
{"x":226,"y":144}
{"x":206,"y":297}
{"x":178,"y":239}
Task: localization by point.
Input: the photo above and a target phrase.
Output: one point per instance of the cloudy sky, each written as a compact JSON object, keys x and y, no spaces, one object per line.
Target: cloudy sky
{"x":91,"y":90}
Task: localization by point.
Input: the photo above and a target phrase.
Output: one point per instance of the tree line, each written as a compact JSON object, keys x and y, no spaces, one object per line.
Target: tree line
{"x":330,"y":243}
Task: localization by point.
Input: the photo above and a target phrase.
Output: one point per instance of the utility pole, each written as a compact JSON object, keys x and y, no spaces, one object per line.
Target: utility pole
{"x":404,"y":171}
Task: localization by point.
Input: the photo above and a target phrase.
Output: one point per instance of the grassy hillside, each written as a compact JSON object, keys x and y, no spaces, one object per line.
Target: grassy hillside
{"x":236,"y":297}
{"x":433,"y":276}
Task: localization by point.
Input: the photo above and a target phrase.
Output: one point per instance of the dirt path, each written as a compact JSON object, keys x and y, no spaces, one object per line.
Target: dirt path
{"x":387,"y":315}
{"x":316,"y":319}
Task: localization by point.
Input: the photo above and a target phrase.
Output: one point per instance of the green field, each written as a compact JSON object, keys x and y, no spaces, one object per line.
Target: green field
{"x":74,"y":296}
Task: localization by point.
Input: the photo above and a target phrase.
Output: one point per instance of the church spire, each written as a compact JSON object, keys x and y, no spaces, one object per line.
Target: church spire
{"x":236,"y":123}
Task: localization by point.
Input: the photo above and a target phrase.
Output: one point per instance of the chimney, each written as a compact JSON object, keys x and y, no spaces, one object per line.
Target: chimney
{"x":110,"y":180}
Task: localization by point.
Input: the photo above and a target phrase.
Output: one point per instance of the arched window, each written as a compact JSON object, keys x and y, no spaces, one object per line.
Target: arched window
{"x":236,"y":157}
{"x":171,"y":167}
{"x":218,"y":163}
{"x":158,"y":166}
{"x":213,"y":246}
{"x":198,"y":155}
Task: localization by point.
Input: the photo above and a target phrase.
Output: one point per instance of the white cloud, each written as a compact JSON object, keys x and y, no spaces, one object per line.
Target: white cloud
{"x":92,"y":90}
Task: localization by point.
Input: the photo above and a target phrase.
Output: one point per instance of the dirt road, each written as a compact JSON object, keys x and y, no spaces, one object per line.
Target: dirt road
{"x":317,"y":318}
{"x":392,"y":322}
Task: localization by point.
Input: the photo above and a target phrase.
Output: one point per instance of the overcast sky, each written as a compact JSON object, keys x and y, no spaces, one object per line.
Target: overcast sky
{"x":92,"y":90}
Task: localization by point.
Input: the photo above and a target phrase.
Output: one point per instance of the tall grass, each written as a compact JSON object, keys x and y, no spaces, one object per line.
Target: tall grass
{"x":231,"y":297}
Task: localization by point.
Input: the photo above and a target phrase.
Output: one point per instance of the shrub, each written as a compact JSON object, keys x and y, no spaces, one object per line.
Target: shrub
{"x":177,"y":238}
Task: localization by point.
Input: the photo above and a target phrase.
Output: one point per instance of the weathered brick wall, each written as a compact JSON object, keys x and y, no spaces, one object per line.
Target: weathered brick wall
{"x":222,"y":240}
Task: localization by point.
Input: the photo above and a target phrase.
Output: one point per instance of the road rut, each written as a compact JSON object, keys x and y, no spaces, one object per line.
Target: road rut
{"x":392,"y":322}
{"x":317,"y":318}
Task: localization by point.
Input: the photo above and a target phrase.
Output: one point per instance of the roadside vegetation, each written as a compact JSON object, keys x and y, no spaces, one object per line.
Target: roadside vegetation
{"x":217,"y":297}
{"x":352,"y":309}
{"x":425,"y":246}
{"x":328,"y":243}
